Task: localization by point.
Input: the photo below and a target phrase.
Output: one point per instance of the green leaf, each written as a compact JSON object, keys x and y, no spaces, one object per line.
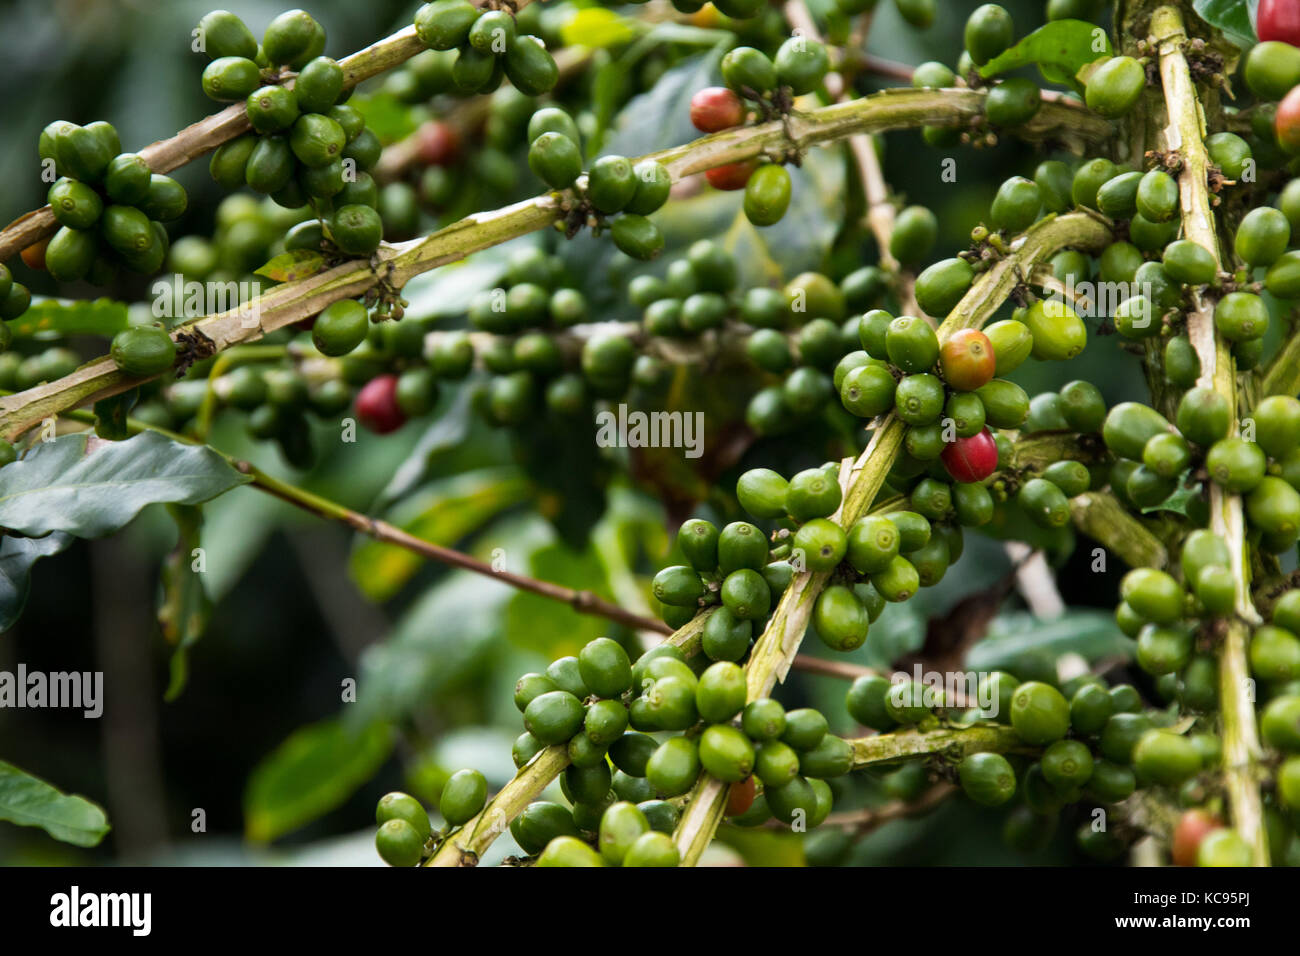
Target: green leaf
{"x":1060,"y":49}
{"x":88,"y":487}
{"x":310,"y":774}
{"x":17,"y":555}
{"x":31,"y":802}
{"x":442,"y":513}
{"x":450,"y":429}
{"x":661,"y":116}
{"x":445,"y":636}
{"x":1230,"y":16}
{"x":548,"y":626}
{"x":56,"y":317}
{"x":288,"y":266}
{"x":446,"y":292}
{"x":1093,"y":635}
{"x":762,"y":847}
{"x":184,"y":608}
{"x":388,"y":117}
{"x":1180,"y":499}
{"x":596,"y":28}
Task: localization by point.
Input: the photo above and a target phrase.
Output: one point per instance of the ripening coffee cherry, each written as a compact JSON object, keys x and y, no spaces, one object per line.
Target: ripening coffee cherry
{"x":377,"y":406}
{"x":971,"y":459}
{"x":731,"y":176}
{"x":1192,"y":828}
{"x":437,"y":143}
{"x":967,"y":360}
{"x":716,"y":108}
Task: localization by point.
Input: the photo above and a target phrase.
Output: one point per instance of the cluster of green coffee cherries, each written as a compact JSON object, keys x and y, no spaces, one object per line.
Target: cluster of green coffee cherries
{"x":1113,"y":85}
{"x":614,"y":186}
{"x":525,"y":360}
{"x":1271,"y":71}
{"x":110,"y":207}
{"x":622,"y":782}
{"x":490,"y":33}
{"x":798,"y":332}
{"x":799,"y":67}
{"x":954,"y":404}
{"x":737,"y":574}
{"x":488,"y":48}
{"x":307,"y":146}
{"x":1084,"y":743}
{"x":1260,"y":463}
{"x":405,"y":835}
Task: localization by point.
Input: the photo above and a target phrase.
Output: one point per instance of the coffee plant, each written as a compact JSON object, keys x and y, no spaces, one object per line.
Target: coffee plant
{"x":644,"y":326}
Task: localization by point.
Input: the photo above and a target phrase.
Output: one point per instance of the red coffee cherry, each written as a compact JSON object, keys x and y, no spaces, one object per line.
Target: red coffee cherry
{"x":716,"y":108}
{"x":1188,"y":834}
{"x":34,"y":255}
{"x":731,"y":176}
{"x":377,"y":406}
{"x":740,"y":797}
{"x":1279,"y":20}
{"x":971,"y":459}
{"x":437,"y":143}
{"x":1287,"y":121}
{"x":967,"y":360}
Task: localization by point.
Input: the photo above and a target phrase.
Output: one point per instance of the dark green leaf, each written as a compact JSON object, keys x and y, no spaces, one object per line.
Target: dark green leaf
{"x":1230,"y":16}
{"x":89,"y":487}
{"x":441,"y":639}
{"x":449,"y":430}
{"x":1060,"y":49}
{"x":17,"y":555}
{"x":310,"y":774}
{"x":1093,"y":635}
{"x":184,"y":608}
{"x":31,"y":802}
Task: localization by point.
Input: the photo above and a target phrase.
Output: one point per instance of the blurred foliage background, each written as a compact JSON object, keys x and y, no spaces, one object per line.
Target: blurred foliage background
{"x":259,"y":739}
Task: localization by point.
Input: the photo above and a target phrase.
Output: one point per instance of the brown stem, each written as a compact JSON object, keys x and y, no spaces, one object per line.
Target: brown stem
{"x":584,"y":602}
